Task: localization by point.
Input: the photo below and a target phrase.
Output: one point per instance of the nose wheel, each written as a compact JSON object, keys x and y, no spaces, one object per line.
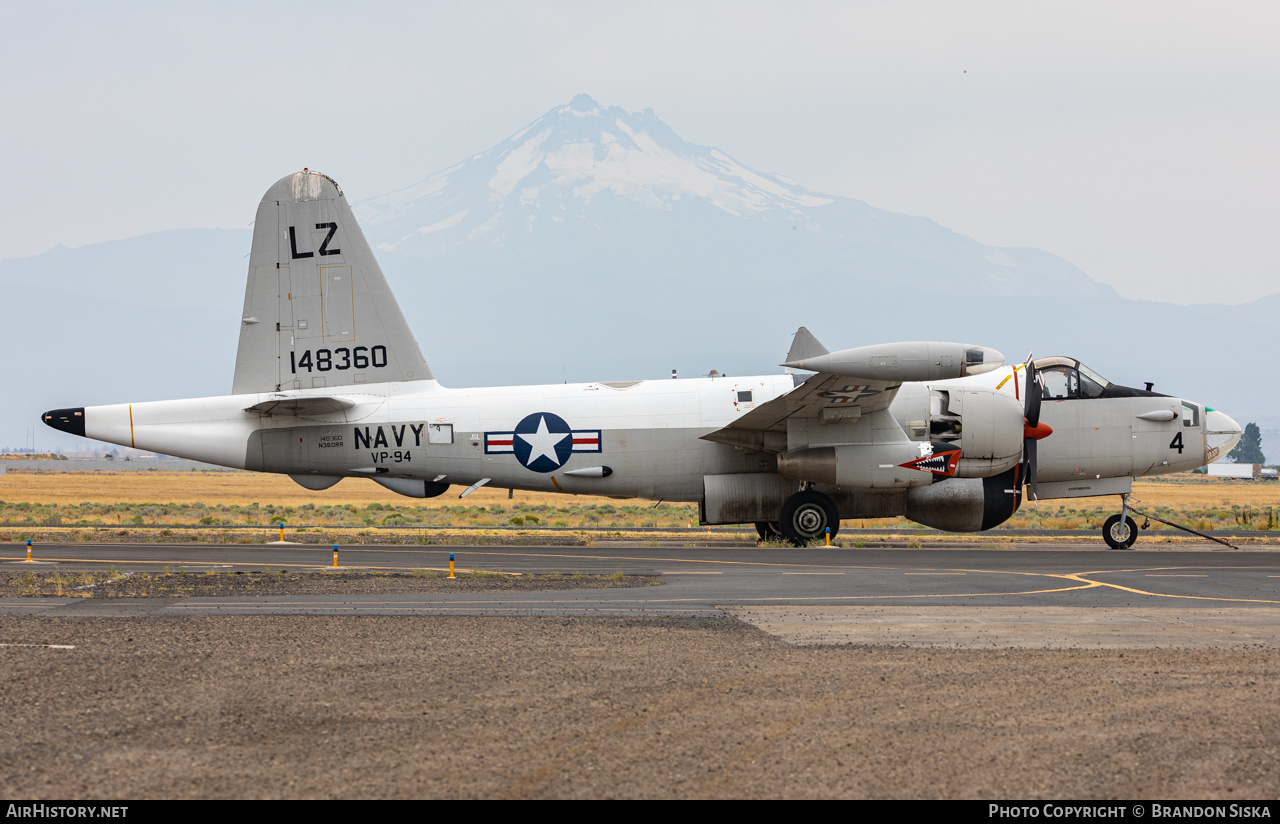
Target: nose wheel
{"x":806,"y":516}
{"x":1120,"y":531}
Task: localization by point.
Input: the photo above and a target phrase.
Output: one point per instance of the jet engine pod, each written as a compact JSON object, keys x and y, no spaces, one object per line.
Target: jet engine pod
{"x":911,"y":361}
{"x":863,"y":466}
{"x":966,"y":504}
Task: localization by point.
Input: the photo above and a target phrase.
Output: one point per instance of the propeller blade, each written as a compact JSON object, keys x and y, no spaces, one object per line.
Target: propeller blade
{"x":1029,"y":448}
{"x":1034,"y":394}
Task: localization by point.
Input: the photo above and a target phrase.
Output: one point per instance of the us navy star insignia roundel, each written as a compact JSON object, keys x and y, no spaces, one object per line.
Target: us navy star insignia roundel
{"x":542,"y":442}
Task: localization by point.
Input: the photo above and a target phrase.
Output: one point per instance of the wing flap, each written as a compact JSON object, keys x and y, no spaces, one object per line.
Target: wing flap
{"x":830,"y":398}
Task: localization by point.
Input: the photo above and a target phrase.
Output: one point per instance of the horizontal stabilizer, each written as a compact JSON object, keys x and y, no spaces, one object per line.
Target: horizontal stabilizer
{"x":301,"y":406}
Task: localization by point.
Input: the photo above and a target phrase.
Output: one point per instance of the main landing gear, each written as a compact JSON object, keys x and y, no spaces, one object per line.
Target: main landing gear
{"x":768,"y":531}
{"x":1120,"y":531}
{"x":806,"y":516}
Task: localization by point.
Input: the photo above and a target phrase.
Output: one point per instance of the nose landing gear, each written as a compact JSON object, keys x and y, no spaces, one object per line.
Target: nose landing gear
{"x":1120,"y":531}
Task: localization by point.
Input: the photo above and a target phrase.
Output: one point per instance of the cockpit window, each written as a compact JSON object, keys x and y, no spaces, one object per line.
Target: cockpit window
{"x":1065,"y":378}
{"x":1060,"y":382}
{"x":1190,"y":415}
{"x":1086,"y":372}
{"x":1089,"y":388}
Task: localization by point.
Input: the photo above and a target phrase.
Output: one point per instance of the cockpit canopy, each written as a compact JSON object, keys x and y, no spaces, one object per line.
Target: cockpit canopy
{"x":1068,"y":378}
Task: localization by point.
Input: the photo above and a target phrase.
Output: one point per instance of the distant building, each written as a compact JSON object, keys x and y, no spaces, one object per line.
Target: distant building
{"x":1235,"y":470}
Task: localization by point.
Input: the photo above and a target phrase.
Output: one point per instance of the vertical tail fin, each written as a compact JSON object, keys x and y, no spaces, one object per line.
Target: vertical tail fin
{"x":317,"y":309}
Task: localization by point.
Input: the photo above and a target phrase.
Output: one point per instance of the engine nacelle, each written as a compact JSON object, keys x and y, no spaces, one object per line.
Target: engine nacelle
{"x":966,"y":504}
{"x":860,"y":465}
{"x":991,"y":434}
{"x":986,"y":425}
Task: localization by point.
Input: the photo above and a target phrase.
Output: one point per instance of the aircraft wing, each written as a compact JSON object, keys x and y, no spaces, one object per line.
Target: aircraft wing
{"x":850,"y":385}
{"x":825,"y":396}
{"x":305,"y":406}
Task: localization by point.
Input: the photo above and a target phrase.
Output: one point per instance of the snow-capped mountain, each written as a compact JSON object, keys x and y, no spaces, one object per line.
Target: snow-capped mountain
{"x":554,"y":168}
{"x":585,"y":181}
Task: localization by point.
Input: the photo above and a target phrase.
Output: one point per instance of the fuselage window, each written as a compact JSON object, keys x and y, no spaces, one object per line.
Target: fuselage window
{"x":744,"y":397}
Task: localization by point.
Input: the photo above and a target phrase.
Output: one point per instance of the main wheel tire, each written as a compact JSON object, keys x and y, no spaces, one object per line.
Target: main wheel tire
{"x":768,"y":530}
{"x":1119,"y":535}
{"x":806,"y":516}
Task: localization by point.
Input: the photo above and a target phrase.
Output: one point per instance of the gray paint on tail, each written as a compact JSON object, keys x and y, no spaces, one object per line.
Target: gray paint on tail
{"x":317,"y":309}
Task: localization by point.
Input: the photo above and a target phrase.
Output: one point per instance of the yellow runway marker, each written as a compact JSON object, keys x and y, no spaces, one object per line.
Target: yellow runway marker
{"x":919,"y":595}
{"x":1076,"y":577}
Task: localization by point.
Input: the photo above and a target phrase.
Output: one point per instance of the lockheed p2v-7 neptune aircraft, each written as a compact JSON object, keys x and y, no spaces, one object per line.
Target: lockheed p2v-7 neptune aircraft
{"x":330,"y":384}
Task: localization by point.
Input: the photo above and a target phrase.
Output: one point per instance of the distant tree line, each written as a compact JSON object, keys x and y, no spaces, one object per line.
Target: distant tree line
{"x":1249,"y":450}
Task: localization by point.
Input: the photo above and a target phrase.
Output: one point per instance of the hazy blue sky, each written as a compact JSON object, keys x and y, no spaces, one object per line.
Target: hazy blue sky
{"x":1138,"y":140}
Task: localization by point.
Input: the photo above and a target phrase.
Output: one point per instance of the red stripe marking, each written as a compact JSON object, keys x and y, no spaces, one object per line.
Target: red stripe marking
{"x":586,"y":440}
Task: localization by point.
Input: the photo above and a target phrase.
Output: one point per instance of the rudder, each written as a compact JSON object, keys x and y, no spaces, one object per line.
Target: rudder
{"x":317,"y":309}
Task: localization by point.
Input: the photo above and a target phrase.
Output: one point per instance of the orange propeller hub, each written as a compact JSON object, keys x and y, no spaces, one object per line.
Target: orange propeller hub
{"x":1040,"y":430}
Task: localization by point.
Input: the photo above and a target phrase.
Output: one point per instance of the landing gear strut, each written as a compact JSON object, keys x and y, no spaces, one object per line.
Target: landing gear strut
{"x":806,"y":516}
{"x":1120,"y":531}
{"x":768,"y":531}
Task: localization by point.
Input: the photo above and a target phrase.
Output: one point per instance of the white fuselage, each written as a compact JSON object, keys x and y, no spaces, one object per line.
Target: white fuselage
{"x":630,"y":439}
{"x":646,"y":432}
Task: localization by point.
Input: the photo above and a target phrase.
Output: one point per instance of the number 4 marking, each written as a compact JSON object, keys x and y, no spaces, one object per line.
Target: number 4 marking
{"x":1176,"y":443}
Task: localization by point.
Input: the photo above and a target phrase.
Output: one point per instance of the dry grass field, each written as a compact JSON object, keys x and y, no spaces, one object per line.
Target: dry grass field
{"x":243,"y":498}
{"x":241,"y":488}
{"x":229,"y":488}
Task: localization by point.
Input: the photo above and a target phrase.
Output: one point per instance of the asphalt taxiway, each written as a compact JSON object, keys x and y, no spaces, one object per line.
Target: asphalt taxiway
{"x":1041,"y":595}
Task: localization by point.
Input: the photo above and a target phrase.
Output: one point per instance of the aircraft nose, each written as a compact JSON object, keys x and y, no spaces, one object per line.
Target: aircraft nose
{"x":1221,"y":434}
{"x":66,"y":420}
